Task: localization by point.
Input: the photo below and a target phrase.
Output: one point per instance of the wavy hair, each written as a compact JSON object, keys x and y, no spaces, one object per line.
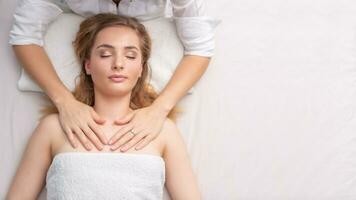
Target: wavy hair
{"x":143,"y":93}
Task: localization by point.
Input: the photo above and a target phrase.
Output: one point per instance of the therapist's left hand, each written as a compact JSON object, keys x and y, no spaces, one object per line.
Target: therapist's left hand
{"x":146,"y":123}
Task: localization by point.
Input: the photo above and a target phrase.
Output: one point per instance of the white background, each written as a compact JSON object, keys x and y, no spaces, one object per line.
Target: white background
{"x":272,"y":118}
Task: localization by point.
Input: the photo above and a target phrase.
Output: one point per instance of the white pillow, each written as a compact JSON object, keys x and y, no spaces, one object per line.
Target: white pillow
{"x":167,"y":51}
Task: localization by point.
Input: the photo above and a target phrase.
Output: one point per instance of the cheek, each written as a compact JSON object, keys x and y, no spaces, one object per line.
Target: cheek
{"x":99,"y":71}
{"x":135,"y":68}
{"x":135,"y":71}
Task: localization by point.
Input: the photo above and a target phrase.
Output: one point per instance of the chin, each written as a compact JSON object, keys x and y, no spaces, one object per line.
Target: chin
{"x":119,"y":91}
{"x":114,"y":90}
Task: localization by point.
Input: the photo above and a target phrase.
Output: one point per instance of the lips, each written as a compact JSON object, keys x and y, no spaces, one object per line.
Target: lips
{"x":117,"y":78}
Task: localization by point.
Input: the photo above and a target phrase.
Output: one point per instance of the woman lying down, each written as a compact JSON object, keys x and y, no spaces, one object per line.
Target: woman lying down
{"x":113,"y":51}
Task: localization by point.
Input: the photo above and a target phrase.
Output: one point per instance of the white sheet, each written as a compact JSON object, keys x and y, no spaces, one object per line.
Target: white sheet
{"x":273,"y":118}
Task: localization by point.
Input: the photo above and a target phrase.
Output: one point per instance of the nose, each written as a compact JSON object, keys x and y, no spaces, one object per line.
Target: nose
{"x":118,"y":63}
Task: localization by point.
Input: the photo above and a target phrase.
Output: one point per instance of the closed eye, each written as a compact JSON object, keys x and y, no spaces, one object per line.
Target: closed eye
{"x":104,"y":56}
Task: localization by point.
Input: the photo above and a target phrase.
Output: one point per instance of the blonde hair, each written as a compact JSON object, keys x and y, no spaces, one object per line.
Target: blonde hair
{"x":143,"y":93}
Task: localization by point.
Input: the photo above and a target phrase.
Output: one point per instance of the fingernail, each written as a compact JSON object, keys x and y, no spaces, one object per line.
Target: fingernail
{"x":110,"y":142}
{"x":123,"y":149}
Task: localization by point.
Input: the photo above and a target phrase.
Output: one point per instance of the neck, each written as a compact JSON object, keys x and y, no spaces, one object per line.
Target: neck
{"x":112,"y":108}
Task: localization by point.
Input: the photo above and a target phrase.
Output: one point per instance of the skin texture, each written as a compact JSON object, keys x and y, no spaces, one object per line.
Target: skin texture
{"x":111,"y":101}
{"x":78,"y":118}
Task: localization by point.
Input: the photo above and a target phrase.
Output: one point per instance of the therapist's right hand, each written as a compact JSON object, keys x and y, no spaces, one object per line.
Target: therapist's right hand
{"x":80,"y":120}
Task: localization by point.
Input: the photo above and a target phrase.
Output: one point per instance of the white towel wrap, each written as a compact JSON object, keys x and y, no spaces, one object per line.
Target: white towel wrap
{"x":85,"y":176}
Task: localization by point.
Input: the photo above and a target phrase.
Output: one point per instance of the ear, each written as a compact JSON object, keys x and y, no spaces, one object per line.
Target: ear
{"x":87,"y":66}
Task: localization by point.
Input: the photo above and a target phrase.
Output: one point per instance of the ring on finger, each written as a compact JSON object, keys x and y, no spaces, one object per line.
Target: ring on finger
{"x":131,"y":131}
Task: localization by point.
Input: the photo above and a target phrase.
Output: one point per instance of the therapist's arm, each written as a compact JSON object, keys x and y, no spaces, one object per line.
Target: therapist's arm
{"x":180,"y":179}
{"x":35,"y":61}
{"x":75,"y":117}
{"x":31,"y":20}
{"x":189,"y":71}
{"x":30,"y":176}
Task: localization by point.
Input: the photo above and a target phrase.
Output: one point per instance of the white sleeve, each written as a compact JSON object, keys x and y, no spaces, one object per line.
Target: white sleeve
{"x":31,"y":20}
{"x":195,"y":29}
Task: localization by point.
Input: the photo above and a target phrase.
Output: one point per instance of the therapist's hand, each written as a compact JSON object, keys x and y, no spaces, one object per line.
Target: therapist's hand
{"x":146,"y":123}
{"x":80,"y":120}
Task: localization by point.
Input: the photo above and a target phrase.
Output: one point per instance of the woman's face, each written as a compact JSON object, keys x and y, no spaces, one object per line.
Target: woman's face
{"x":115,"y":63}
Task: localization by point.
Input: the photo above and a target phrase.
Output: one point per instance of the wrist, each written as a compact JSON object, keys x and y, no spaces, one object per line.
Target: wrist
{"x":162,"y":106}
{"x":60,"y":99}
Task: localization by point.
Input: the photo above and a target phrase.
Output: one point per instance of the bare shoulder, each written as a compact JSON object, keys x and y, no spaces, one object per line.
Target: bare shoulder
{"x":169,"y":128}
{"x":49,"y":126}
{"x":170,"y":132}
{"x":50,"y":121}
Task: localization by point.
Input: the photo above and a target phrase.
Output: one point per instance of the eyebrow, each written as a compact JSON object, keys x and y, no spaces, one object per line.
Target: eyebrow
{"x":112,"y":47}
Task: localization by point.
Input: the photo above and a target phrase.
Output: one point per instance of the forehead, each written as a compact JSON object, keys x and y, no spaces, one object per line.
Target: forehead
{"x":117,"y":36}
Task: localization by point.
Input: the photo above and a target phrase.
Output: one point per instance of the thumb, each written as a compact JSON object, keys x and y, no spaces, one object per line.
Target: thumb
{"x":125,"y":119}
{"x":97,"y":118}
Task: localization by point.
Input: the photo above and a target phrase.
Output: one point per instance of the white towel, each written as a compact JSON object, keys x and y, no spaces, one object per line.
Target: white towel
{"x":85,"y":176}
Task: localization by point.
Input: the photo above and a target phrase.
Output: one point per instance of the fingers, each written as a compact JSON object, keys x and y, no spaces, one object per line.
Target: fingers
{"x":121,"y":137}
{"x":126,"y":119}
{"x":137,"y":138}
{"x":82,"y":121}
{"x":144,"y":142}
{"x":83,"y":139}
{"x":97,"y":118}
{"x":94,"y":127}
{"x":84,"y":133}
{"x":123,"y":140}
{"x":71,"y":138}
{"x":93,"y":138}
{"x":120,"y":133}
